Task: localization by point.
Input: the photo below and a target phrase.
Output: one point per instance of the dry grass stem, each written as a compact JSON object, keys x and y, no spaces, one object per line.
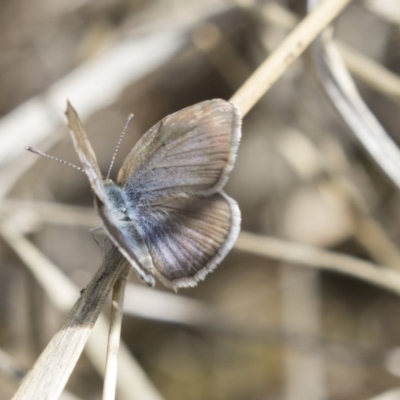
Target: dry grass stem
{"x":291,"y":48}
{"x":117,"y":305}
{"x":364,"y":68}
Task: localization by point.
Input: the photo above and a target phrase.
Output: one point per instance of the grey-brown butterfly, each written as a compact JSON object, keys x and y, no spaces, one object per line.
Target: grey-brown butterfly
{"x":166,"y":212}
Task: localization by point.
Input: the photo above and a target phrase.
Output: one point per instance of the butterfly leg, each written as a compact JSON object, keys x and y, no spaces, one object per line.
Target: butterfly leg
{"x":100,"y":237}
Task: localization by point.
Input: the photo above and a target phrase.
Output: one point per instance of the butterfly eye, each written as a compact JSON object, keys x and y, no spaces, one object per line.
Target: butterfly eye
{"x":124,"y":211}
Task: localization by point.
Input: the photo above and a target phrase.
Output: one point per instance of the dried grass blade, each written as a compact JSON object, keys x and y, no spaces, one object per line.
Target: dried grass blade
{"x":343,"y":93}
{"x":49,"y":375}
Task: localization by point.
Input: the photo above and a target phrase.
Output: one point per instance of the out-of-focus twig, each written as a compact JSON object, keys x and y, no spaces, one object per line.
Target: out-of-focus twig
{"x":312,"y":257}
{"x":370,"y":72}
{"x":392,"y":394}
{"x":9,"y":368}
{"x":300,"y":309}
{"x":387,"y":9}
{"x":51,"y":213}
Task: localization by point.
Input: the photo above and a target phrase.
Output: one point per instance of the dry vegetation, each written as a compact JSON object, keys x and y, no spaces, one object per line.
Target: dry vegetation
{"x":306,"y":306}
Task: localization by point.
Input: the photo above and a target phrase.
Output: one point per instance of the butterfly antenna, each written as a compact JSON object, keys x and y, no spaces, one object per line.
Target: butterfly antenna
{"x":40,"y":153}
{"x":119,"y":144}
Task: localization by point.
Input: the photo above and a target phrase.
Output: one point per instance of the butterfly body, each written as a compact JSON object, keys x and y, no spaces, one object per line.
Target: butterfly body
{"x":118,"y":201}
{"x":119,"y":211}
{"x":167,"y":212}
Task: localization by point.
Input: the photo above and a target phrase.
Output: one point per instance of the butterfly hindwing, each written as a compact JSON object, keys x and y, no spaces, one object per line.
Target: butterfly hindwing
{"x":188,"y":235}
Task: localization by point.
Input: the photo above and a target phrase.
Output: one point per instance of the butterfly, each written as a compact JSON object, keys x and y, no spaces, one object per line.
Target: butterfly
{"x":166,"y":212}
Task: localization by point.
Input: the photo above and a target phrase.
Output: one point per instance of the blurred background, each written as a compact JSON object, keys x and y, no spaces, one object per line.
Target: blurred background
{"x":259,"y":327}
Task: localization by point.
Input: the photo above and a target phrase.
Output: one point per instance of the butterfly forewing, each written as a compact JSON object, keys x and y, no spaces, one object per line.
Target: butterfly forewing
{"x":85,"y":151}
{"x":192,"y":150}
